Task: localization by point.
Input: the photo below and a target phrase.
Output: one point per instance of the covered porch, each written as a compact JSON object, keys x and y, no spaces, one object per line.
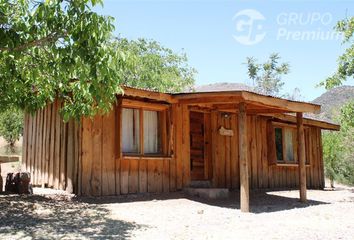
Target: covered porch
{"x":228,"y":138}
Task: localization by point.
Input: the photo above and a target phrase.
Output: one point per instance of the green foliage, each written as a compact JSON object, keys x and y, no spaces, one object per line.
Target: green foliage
{"x":57,"y":48}
{"x":11,"y":125}
{"x":267,"y":76}
{"x":338,"y":148}
{"x":152,"y":66}
{"x":345,"y":67}
{"x":61,"y":48}
{"x":342,"y":165}
{"x":332,"y":155}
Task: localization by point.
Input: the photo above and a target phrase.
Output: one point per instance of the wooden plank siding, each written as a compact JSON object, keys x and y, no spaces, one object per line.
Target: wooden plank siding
{"x":106,"y":171}
{"x":262,"y":173}
{"x":86,"y":157}
{"x":49,"y":150}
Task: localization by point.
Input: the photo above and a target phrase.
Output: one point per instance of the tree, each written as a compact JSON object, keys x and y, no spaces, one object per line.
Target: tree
{"x":152,"y":66}
{"x":57,"y":48}
{"x":338,"y":148}
{"x":62,"y":49}
{"x":347,"y":138}
{"x":294,"y":96}
{"x":11,"y":126}
{"x":345,"y":162}
{"x":345,"y":67}
{"x":266,"y":77}
{"x":332,"y":156}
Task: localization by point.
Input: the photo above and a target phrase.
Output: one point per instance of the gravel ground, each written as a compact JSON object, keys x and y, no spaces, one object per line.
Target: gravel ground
{"x":51,"y":214}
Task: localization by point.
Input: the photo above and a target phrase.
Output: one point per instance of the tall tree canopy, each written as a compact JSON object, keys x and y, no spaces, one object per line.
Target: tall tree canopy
{"x":267,"y":76}
{"x":56,"y":48}
{"x":61,"y":48}
{"x":345,"y":68}
{"x":152,"y":66}
{"x":338,"y":147}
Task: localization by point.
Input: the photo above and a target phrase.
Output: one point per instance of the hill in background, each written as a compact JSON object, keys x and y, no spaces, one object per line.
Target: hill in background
{"x":224,"y":86}
{"x":331,"y":101}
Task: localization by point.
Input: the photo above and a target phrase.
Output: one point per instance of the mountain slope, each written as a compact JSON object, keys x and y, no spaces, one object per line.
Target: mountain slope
{"x":332,"y":100}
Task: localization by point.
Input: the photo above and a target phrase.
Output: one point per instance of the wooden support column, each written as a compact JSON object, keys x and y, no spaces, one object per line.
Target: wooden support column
{"x":243,"y":158}
{"x":301,"y":156}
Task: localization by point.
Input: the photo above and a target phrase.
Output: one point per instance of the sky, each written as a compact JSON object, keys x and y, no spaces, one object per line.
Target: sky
{"x":218,"y":36}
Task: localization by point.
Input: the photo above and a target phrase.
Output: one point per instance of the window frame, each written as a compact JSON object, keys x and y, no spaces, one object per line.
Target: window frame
{"x":271,"y":149}
{"x":163,"y":111}
{"x":286,"y":127}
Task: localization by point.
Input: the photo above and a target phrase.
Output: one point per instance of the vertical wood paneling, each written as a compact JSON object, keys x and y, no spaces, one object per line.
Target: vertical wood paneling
{"x":24,"y":144}
{"x":214,"y":147}
{"x":220,"y":161}
{"x":96,"y":177}
{"x":143,"y":177}
{"x":52,"y":145}
{"x":86,"y":162}
{"x":57,"y":142}
{"x":108,"y":154}
{"x":47,"y":144}
{"x":234,"y":164}
{"x":133,"y":178}
{"x":166,"y":175}
{"x":178,"y":146}
{"x":86,"y":158}
{"x":172,"y":165}
{"x":70,"y":156}
{"x":118,"y":147}
{"x":62,"y":158}
{"x":153,"y":179}
{"x":124,"y":176}
{"x":185,"y":146}
{"x":227,"y":154}
{"x":265,"y":169}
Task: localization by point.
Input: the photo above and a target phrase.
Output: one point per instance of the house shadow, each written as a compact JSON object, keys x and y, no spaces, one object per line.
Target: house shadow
{"x":40,"y":217}
{"x":260,"y":201}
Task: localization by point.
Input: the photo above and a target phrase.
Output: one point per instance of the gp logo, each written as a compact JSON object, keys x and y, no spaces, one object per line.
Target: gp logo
{"x":249,"y":27}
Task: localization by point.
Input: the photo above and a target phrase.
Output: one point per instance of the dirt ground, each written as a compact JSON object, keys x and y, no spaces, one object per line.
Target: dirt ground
{"x":50,"y":214}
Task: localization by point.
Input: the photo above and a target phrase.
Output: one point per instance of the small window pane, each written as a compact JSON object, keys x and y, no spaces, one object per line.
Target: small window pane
{"x":279,"y":143}
{"x":289,"y":146}
{"x":130,"y":130}
{"x":151,"y":132}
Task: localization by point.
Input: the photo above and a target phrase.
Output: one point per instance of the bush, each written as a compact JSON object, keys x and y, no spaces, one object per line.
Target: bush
{"x":338,"y":148}
{"x":11,"y":125}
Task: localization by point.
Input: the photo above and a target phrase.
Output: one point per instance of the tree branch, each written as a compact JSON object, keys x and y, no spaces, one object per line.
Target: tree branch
{"x":36,"y":43}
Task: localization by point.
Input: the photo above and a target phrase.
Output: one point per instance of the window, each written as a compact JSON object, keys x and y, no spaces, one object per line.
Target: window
{"x":285,"y":144}
{"x":131,"y":130}
{"x":142,"y":131}
{"x":151,"y":132}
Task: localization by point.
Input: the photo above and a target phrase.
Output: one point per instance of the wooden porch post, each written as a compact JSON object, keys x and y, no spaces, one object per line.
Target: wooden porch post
{"x":243,"y":158}
{"x":301,"y":156}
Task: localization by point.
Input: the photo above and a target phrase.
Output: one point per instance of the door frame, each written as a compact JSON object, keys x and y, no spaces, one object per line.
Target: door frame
{"x":207,"y":132}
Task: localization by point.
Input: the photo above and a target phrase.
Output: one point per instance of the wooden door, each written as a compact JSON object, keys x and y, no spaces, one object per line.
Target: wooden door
{"x":199,"y":149}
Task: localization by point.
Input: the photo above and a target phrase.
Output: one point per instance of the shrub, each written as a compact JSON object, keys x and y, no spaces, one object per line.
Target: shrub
{"x":11,"y":125}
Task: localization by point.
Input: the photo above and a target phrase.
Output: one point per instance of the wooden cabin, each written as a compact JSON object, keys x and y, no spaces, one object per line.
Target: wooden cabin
{"x":156,"y":142}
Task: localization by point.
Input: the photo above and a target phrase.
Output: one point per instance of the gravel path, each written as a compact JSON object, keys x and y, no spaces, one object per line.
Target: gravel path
{"x":53,"y":214}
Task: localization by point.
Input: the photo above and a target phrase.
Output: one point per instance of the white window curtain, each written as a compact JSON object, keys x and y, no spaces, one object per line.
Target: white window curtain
{"x":130,"y":130}
{"x":151,"y":132}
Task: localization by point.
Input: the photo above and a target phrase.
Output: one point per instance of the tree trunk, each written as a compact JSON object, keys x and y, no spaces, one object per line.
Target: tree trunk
{"x":331,"y":180}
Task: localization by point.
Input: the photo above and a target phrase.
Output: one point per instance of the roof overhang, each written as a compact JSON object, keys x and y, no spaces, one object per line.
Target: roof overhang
{"x":152,"y":95}
{"x":255,"y":101}
{"x":229,"y":101}
{"x":307,"y":121}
